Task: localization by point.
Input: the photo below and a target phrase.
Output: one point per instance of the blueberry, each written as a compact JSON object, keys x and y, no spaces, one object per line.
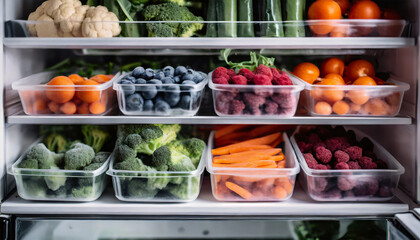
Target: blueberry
{"x":162,"y":107}
{"x":172,"y":95}
{"x":185,"y":102}
{"x":149,"y":73}
{"x":187,"y":77}
{"x":156,"y":82}
{"x":188,"y":82}
{"x":169,"y":71}
{"x":159,"y":75}
{"x":125,"y":81}
{"x":130,"y":78}
{"x":148,"y":105}
{"x":128,"y":87}
{"x":177,"y":79}
{"x":134,"y":102}
{"x":180,"y":70}
{"x":167,"y":80}
{"x":140,"y":81}
{"x":148,"y":92}
{"x":198,"y":77}
{"x":138,"y":72}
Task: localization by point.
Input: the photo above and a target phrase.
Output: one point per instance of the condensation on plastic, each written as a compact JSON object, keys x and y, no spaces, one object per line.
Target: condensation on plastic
{"x":195,"y":91}
{"x":32,"y":89}
{"x":122,"y":178}
{"x":314,"y":181}
{"x":278,"y":177}
{"x":288,"y":93}
{"x":24,"y":176}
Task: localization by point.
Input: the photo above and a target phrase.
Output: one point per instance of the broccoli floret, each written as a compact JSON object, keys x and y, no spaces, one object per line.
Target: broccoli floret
{"x":56,"y":180}
{"x":139,"y":188}
{"x":56,"y":142}
{"x":88,"y":180}
{"x":179,"y":2}
{"x":35,"y":188}
{"x":29,"y":164}
{"x":94,"y":136}
{"x":101,"y":157}
{"x":132,"y":164}
{"x":159,"y":30}
{"x":192,"y":148}
{"x":78,"y":157}
{"x":61,"y":192}
{"x":125,"y":130}
{"x":83,"y":192}
{"x":189,"y":29}
{"x":161,"y":158}
{"x":186,"y":190}
{"x":133,"y":140}
{"x":93,"y":166}
{"x":149,"y":139}
{"x":175,"y":160}
{"x":170,"y":132}
{"x":45,"y":157}
{"x":124,"y":153}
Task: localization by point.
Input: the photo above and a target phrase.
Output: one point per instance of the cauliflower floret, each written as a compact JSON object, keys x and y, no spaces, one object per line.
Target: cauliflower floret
{"x":34,"y":16}
{"x":73,"y":24}
{"x":46,"y":27}
{"x":53,"y":5}
{"x":66,"y":9}
{"x":99,"y":22}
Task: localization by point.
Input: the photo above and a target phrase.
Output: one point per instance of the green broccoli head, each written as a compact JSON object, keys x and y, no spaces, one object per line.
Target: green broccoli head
{"x":161,"y":157}
{"x":95,"y":136}
{"x":28,"y":163}
{"x":101,"y":157}
{"x":83,"y":192}
{"x":159,"y":30}
{"x":45,"y":157}
{"x":88,"y":180}
{"x":179,"y":2}
{"x":138,"y":188}
{"x":124,"y":130}
{"x":35,"y":188}
{"x":132,"y":164}
{"x":55,"y":180}
{"x":187,"y":190}
{"x":146,"y":141}
{"x":93,"y":166}
{"x":61,"y":193}
{"x":78,"y":157}
{"x":124,"y":152}
{"x":155,"y":179}
{"x":192,"y":148}
{"x":170,"y":132}
{"x":56,"y":142}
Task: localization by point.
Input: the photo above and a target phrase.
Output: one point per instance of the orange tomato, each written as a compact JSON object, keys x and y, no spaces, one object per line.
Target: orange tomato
{"x":390,"y":14}
{"x":83,"y":108}
{"x":76,"y":78}
{"x":100,"y":78}
{"x":390,"y":30}
{"x":60,"y":94}
{"x":365,"y":81}
{"x":68,"y":108}
{"x":341,"y":108}
{"x":324,"y":9}
{"x":359,"y":68}
{"x":340,"y":31}
{"x":54,"y":107}
{"x":307,"y":72}
{"x":344,"y":5}
{"x":332,"y":65}
{"x":323,"y":108}
{"x":365,"y":9}
{"x":358,"y":97}
{"x":89,"y":94}
{"x":334,"y":80}
{"x":332,"y":94}
{"x":337,"y":77}
{"x":97,"y":108}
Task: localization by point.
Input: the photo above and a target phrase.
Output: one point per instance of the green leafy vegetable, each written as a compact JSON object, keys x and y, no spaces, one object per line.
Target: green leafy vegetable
{"x":252,"y":64}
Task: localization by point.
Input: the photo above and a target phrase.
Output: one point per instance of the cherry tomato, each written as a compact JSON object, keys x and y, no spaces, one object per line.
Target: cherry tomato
{"x":332,"y":65}
{"x":359,"y":68}
{"x":323,"y":9}
{"x":307,"y":72}
{"x":365,"y":9}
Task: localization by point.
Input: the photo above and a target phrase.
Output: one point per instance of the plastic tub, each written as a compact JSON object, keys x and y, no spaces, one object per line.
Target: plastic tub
{"x":188,"y":187}
{"x":279,"y":181}
{"x":380,"y":100}
{"x":323,"y":185}
{"x":286,"y":98}
{"x":31,"y":183}
{"x":194,"y":91}
{"x":33,"y":89}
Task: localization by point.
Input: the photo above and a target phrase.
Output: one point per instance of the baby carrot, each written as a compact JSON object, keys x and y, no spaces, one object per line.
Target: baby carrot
{"x":256,"y":141}
{"x":239,"y":190}
{"x":243,"y":148}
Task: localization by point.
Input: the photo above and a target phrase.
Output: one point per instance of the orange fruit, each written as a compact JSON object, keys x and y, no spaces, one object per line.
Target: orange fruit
{"x":323,"y":108}
{"x":60,"y":94}
{"x":101,"y":78}
{"x":306,"y":71}
{"x":340,"y":31}
{"x":83,"y":108}
{"x":68,"y":108}
{"x":336,"y":77}
{"x":359,"y":68}
{"x":377,"y":107}
{"x":76,"y":78}
{"x":344,"y":5}
{"x":365,"y":81}
{"x":89,"y":94}
{"x":332,"y":94}
{"x":39,"y":106}
{"x":358,"y":97}
{"x":54,"y":107}
{"x":341,"y":108}
{"x":332,"y":65}
{"x":97,"y":108}
{"x":365,"y":9}
{"x":355,"y":108}
{"x":324,"y":9}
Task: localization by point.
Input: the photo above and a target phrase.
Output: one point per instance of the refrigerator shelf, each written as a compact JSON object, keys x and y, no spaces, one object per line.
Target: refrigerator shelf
{"x":298,"y":205}
{"x":209,"y":43}
{"x":121,"y":119}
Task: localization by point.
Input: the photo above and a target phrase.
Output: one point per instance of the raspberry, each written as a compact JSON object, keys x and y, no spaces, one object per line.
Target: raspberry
{"x":323,"y":155}
{"x":260,"y":79}
{"x":231,"y":73}
{"x":220,"y":80}
{"x":238,"y":80}
{"x":264,"y":70}
{"x":281,"y":78}
{"x":342,"y":166}
{"x":341,"y":156}
{"x":248,"y":74}
{"x":220,"y":72}
{"x":310,"y":160}
{"x":271,"y":107}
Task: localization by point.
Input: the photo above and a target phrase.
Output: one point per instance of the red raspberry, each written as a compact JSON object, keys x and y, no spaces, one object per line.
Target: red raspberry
{"x":260,"y":79}
{"x":264,"y":70}
{"x":238,"y":80}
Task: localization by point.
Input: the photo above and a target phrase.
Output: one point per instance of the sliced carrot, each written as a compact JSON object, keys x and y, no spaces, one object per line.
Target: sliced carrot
{"x":246,"y":179}
{"x":277,"y":158}
{"x":269,"y":151}
{"x":281,"y":164}
{"x":277,"y":141}
{"x":265,"y":162}
{"x":269,"y":166}
{"x":239,"y":190}
{"x":236,"y":165}
{"x":284,"y":182}
{"x":244,"y":148}
{"x":227,"y":130}
{"x":256,"y":141}
{"x":280,"y":192}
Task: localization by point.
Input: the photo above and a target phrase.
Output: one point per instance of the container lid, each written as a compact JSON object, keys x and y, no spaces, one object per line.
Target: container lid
{"x":37,"y":82}
{"x":292,"y":165}
{"x":394,"y":167}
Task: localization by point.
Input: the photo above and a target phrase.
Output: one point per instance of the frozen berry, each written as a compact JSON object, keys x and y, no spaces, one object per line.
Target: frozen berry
{"x":341,"y":156}
{"x":323,"y":155}
{"x":353,"y":165}
{"x":354,"y":152}
{"x":342,"y":166}
{"x":264,"y":70}
{"x":345,"y":183}
{"x":260,"y":79}
{"x":310,"y":160}
{"x":367,"y":163}
{"x":239,"y":80}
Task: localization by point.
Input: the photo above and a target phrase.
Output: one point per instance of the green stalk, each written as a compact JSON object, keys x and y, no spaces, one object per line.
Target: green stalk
{"x":294,"y":12}
{"x":226,"y":10}
{"x":245,"y":13}
{"x":272,"y":12}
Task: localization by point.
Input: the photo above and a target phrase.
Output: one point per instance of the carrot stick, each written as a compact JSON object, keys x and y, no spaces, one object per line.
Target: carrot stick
{"x":227,"y":130}
{"x":236,"y":165}
{"x":279,"y":192}
{"x":277,"y":141}
{"x":264,"y":130}
{"x":281,"y":164}
{"x":269,"y":166}
{"x":244,"y":148}
{"x":277,"y":158}
{"x":256,"y":141}
{"x":265,"y":162}
{"x":246,"y":179}
{"x":239,"y":190}
{"x":245,"y":158}
{"x":270,"y":152}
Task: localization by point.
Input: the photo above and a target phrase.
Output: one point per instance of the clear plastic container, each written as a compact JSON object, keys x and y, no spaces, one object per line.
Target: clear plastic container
{"x":34,"y":93}
{"x":192,"y":92}
{"x":275,"y":184}
{"x":80,"y":185}
{"x":380,"y":100}
{"x":131,"y":186}
{"x":284,"y":98}
{"x":351,"y":185}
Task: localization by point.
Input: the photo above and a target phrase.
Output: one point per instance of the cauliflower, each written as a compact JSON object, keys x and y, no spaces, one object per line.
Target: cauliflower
{"x":34,"y":16}
{"x":99,"y":22}
{"x":46,"y":27}
{"x":73,"y":24}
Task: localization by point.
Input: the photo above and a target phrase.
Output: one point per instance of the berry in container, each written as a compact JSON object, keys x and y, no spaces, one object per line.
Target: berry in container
{"x":161,"y":92}
{"x":343,"y":164}
{"x":47,"y":93}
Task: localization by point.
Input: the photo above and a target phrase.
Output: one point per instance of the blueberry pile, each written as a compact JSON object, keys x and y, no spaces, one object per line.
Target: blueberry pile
{"x":178,"y":91}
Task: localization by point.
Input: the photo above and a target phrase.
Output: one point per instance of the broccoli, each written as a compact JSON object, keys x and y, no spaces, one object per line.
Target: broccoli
{"x":124,"y":153}
{"x":93,"y":166}
{"x":78,"y":157}
{"x":94,"y":136}
{"x":132,"y":164}
{"x":88,"y":180}
{"x":192,"y":148}
{"x":35,"y":188}
{"x":170,"y":132}
{"x":173,"y":159}
{"x":28,"y":163}
{"x":61,"y":192}
{"x":55,"y":181}
{"x":147,"y":141}
{"x":155,"y":179}
{"x":83,"y":192}
{"x":186,"y":190}
{"x":101,"y":157}
{"x":139,"y":188}
{"x":161,"y":157}
{"x":45,"y":157}
{"x":56,"y":142}
{"x":179,"y":2}
{"x":171,"y":11}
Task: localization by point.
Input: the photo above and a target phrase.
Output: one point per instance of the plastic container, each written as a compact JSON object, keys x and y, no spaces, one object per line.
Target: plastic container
{"x":33,"y":94}
{"x":31,"y":183}
{"x":327,"y":185}
{"x":194,"y":91}
{"x":380,"y":100}
{"x":187,"y":184}
{"x":279,"y":181}
{"x":286,"y":98}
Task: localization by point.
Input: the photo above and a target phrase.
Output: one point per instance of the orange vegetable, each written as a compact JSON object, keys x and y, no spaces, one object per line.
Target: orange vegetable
{"x":359,"y":68}
{"x":365,"y":9}
{"x":256,"y":141}
{"x":60,"y":94}
{"x":344,"y":5}
{"x":281,"y":164}
{"x":54,"y":107}
{"x":97,"y":108}
{"x":76,"y":78}
{"x":277,"y":142}
{"x":89,"y":94}
{"x":325,"y":9}
{"x":68,"y":108}
{"x":365,"y":81}
{"x":227,"y":130}
{"x":244,"y":148}
{"x":83,"y":108}
{"x":332,"y":65}
{"x":100,"y":78}
{"x":306,"y":71}
{"x":280,"y":192}
{"x":358,"y":97}
{"x":239,"y":190}
{"x":39,"y":106}
{"x":248,"y":154}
